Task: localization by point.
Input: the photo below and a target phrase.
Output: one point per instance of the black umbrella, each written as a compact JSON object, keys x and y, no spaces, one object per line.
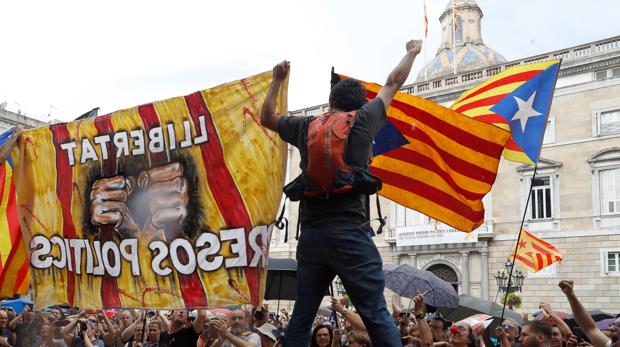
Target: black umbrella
{"x":408,"y":281}
{"x":471,"y":305}
{"x":281,"y":279}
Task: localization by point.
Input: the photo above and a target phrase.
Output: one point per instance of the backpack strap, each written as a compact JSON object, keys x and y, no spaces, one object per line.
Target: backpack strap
{"x":381,"y":219}
{"x":282,"y":222}
{"x":298,"y":222}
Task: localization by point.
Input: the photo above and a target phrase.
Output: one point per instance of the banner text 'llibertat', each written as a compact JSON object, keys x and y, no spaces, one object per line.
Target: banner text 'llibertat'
{"x":140,"y":142}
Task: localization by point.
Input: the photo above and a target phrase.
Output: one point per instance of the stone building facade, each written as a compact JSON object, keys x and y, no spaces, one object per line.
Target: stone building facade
{"x":576,"y":204}
{"x":9,"y":119}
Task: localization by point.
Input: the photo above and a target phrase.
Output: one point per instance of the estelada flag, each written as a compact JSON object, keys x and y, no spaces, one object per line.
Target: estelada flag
{"x":519,"y":99}
{"x":14,"y":271}
{"x":533,"y":253}
{"x":435,"y":160}
{"x":166,"y":205}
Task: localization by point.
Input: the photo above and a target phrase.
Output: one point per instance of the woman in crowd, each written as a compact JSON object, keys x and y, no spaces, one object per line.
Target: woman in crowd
{"x":322,"y":336}
{"x":462,"y":335}
{"x":358,"y":338}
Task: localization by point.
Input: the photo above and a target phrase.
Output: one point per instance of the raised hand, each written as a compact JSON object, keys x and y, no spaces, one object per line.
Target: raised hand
{"x":281,"y":70}
{"x":219,"y":326}
{"x":567,"y":287}
{"x":546,"y":307}
{"x":500,"y":332}
{"x":572,"y":341}
{"x":337,"y":306}
{"x":419,"y":306}
{"x":414,"y":46}
{"x":526,"y":317}
{"x":18,"y":130}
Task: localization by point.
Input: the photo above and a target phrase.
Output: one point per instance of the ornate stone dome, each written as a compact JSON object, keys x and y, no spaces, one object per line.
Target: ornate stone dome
{"x":468,"y":57}
{"x":471,"y":52}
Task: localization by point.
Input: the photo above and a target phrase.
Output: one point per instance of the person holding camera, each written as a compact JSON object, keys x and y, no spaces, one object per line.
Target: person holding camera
{"x":80,"y":332}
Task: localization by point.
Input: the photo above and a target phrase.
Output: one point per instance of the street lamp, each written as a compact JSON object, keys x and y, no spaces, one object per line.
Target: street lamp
{"x":502,"y":279}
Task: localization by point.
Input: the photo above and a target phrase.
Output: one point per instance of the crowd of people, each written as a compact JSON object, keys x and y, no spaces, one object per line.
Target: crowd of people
{"x":258,"y":327}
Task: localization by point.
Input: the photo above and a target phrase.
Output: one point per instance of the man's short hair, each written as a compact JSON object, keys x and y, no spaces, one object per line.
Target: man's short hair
{"x":347,"y":95}
{"x":444,"y":322}
{"x":540,"y":327}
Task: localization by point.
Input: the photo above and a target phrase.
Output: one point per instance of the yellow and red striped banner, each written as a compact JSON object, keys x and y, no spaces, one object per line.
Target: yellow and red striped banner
{"x":165,"y":205}
{"x":14,"y":274}
{"x":448,"y":166}
{"x":533,"y":253}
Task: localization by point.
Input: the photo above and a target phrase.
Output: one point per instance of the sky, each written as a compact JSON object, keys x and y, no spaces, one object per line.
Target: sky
{"x":67,"y":57}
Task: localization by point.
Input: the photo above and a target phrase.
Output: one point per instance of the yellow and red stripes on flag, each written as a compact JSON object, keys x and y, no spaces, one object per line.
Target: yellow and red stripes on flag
{"x":478,"y":101}
{"x":533,"y":253}
{"x":14,"y":274}
{"x":448,"y":166}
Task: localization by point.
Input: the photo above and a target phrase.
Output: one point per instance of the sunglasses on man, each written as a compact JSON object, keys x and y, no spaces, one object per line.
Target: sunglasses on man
{"x":508,"y":327}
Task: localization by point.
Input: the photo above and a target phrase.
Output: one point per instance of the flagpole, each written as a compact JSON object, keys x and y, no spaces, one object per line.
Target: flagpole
{"x":454,"y":36}
{"x":425,"y":43}
{"x":527,"y":203}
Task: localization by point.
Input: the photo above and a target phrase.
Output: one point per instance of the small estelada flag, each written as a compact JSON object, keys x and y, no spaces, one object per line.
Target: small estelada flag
{"x":534,"y":253}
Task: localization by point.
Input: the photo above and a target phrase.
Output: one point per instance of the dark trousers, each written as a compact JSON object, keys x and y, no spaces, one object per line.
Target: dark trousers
{"x":346,"y":250}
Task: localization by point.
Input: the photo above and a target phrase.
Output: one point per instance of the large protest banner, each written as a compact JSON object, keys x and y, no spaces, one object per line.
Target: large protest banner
{"x":166,"y":205}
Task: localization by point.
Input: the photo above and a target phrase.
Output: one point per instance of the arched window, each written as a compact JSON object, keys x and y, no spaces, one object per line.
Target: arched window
{"x":446,"y":273}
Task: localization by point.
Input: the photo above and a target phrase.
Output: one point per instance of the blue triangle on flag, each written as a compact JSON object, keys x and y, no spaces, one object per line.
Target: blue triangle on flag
{"x":527,"y":108}
{"x":3,"y":138}
{"x":387,"y":139}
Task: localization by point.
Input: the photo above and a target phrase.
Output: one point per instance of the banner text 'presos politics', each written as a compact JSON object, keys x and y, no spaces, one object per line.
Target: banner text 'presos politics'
{"x":98,"y":259}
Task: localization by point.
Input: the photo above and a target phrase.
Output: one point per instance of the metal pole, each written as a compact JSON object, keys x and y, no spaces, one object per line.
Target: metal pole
{"x":518,"y":239}
{"x":454,"y":36}
{"x":279,"y":294}
{"x":143,"y":326}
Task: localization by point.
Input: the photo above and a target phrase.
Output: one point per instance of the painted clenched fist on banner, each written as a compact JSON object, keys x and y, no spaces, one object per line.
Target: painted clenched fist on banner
{"x":162,"y":189}
{"x":165,"y":205}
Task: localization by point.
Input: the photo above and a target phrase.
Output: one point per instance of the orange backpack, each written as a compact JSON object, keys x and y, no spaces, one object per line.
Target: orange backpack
{"x":326,"y":148}
{"x":325,"y":172}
